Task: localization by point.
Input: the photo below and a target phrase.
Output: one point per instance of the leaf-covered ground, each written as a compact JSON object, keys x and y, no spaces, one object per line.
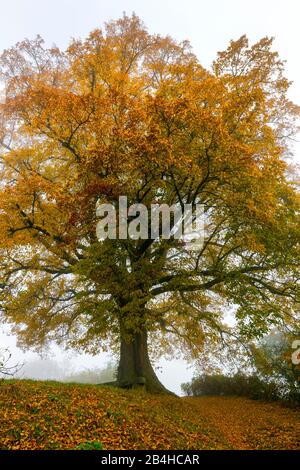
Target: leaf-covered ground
{"x":50,"y":415}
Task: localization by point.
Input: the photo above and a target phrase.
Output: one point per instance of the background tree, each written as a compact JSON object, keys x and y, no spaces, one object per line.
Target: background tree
{"x":128,"y":113}
{"x":267,"y":372}
{"x":273,"y":360}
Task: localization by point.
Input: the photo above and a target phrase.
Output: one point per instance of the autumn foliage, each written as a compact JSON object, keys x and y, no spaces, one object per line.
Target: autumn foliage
{"x":128,"y":113}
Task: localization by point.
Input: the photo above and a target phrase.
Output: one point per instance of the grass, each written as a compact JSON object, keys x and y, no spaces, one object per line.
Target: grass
{"x":53,"y":415}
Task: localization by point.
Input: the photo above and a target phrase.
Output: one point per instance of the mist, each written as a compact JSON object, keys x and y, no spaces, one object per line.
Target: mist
{"x":70,"y":366}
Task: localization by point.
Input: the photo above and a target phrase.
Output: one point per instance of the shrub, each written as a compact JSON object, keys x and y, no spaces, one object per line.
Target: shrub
{"x":238,"y":384}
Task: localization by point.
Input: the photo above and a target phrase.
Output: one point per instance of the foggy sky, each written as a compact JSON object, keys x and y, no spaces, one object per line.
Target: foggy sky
{"x":208,"y":25}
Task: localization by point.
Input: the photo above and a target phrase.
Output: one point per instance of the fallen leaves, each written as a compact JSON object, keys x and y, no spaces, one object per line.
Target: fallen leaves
{"x":50,"y":415}
{"x":249,"y":424}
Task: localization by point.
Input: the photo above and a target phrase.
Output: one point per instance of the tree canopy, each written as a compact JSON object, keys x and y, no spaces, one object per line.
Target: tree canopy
{"x":124,"y":112}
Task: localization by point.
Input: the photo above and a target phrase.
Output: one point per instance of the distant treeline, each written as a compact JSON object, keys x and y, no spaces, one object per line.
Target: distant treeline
{"x":273,"y":377}
{"x":49,"y":369}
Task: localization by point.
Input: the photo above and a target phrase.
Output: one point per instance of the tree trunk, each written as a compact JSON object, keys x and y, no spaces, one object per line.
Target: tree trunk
{"x":135,"y":369}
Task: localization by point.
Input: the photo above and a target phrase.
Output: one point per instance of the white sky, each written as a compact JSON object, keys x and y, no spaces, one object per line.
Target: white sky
{"x":207,"y":24}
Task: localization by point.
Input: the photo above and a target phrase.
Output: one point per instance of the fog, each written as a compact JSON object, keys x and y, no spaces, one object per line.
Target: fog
{"x":209,"y":26}
{"x":57,"y":364}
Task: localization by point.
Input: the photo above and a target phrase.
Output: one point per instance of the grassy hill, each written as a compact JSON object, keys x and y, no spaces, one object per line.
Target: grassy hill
{"x":52,"y":415}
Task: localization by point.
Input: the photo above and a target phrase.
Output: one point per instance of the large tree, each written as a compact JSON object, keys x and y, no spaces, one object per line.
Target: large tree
{"x":128,"y":113}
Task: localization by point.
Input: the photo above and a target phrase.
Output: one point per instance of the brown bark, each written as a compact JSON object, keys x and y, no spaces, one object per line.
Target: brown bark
{"x":135,"y":369}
